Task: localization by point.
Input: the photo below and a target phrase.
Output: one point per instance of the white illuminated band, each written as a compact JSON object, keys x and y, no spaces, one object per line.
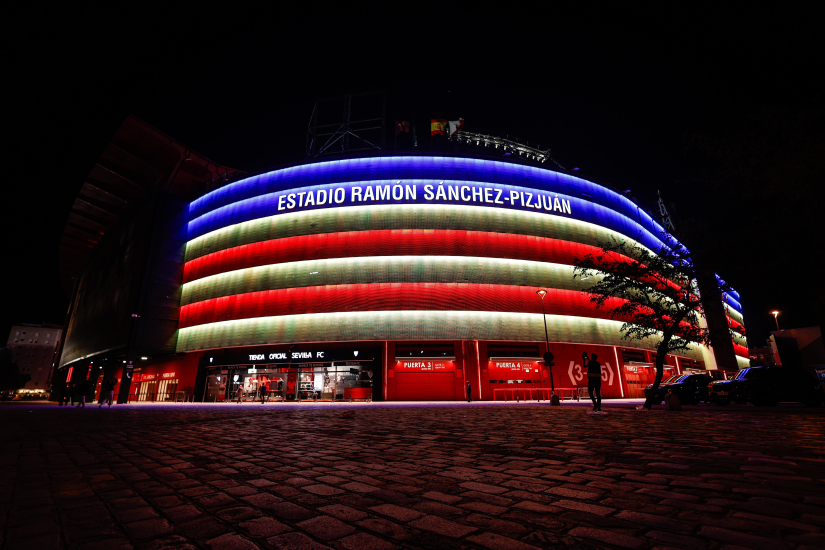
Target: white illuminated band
{"x":382,"y":269}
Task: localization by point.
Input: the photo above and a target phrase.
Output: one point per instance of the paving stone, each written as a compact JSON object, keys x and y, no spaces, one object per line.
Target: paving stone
{"x":439,"y":509}
{"x":326,"y":528}
{"x":581,"y":506}
{"x":344,"y":513}
{"x":135,"y":514}
{"x":290,"y":511}
{"x":498,"y":542}
{"x":295,"y":541}
{"x":180,"y":513}
{"x":495,"y":524}
{"x":231,"y":541}
{"x":387,"y":528}
{"x":397,"y":512}
{"x":320,"y":489}
{"x":484,"y":507}
{"x":107,"y":544}
{"x":41,"y":542}
{"x":659,"y":522}
{"x":442,"y":526}
{"x":263,"y":500}
{"x":149,"y":528}
{"x":203,"y":528}
{"x":238,"y":513}
{"x":742,"y":539}
{"x":607,"y":537}
{"x":484,"y":487}
{"x":264,"y":527}
{"x":365,"y":541}
{"x":681,"y":541}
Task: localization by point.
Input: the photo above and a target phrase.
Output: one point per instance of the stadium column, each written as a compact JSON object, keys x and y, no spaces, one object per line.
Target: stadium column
{"x":386,"y":367}
{"x":126,"y":381}
{"x":470,"y":351}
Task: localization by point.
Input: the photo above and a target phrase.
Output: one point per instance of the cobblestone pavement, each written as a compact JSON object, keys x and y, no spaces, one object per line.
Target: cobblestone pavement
{"x":499,"y":477}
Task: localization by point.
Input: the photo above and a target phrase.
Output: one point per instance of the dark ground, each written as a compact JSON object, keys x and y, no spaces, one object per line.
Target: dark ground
{"x":498,"y":477}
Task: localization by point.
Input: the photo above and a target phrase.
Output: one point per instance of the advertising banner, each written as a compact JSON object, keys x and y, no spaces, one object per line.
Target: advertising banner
{"x":424,"y":365}
{"x":515,"y":369}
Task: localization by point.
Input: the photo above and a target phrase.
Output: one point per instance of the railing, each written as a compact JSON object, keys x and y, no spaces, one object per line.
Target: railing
{"x":541,"y":394}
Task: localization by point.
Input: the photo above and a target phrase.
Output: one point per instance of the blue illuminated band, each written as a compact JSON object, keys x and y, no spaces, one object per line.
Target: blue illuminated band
{"x":423,"y":168}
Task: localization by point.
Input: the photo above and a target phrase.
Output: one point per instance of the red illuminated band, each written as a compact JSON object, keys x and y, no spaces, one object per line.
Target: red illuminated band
{"x":397,"y":242}
{"x":391,"y":297}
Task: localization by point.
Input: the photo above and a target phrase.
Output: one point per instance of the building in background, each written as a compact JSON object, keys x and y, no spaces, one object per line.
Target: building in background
{"x":798,"y":347}
{"x":397,"y":277}
{"x":34,"y":349}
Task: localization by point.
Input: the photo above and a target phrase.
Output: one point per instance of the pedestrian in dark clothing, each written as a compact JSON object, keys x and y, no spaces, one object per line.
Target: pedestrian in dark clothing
{"x":83,"y":389}
{"x":594,"y":381}
{"x":107,"y":395}
{"x":68,"y":398}
{"x":264,"y":393}
{"x":469,"y":393}
{"x":239,"y":393}
{"x":281,"y":388}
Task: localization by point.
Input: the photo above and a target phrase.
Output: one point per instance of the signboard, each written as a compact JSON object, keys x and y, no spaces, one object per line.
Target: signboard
{"x":425,"y":365}
{"x":284,"y":356}
{"x":510,"y":369}
{"x":294,"y":357}
{"x":419,"y":191}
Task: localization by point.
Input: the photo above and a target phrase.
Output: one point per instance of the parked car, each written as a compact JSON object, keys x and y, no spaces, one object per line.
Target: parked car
{"x":767,"y":387}
{"x":689,"y":388}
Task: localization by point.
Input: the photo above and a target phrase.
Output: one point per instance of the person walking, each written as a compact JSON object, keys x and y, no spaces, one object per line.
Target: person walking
{"x":281,"y":389}
{"x":264,"y":393}
{"x":68,"y":397}
{"x":83,"y":389}
{"x":239,"y":392}
{"x":108,"y":393}
{"x":594,"y":380}
{"x":469,"y":393}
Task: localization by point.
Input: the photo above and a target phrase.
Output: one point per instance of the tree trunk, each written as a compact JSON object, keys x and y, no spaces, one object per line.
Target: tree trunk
{"x":661,"y":353}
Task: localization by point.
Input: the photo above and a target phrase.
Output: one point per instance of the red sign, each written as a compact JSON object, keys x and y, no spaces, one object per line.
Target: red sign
{"x":514,"y":368}
{"x":424,"y":365}
{"x":168,"y":375}
{"x":147,"y":377}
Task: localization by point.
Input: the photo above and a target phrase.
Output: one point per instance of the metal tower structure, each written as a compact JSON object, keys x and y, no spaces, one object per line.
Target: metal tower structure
{"x":347,"y":124}
{"x":663,"y":213}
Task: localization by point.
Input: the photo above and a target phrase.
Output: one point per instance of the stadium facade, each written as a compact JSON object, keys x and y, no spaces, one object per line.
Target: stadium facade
{"x":383,"y":277}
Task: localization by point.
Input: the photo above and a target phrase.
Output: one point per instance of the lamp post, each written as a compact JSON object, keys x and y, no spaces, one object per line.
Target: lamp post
{"x":776,"y":318}
{"x":548,"y":357}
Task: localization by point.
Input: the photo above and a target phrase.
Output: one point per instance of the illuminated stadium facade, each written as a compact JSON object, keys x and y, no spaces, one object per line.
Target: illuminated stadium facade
{"x":393,"y":278}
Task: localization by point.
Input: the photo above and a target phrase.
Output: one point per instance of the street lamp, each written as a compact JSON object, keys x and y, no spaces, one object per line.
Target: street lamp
{"x":548,"y":357}
{"x":776,"y":318}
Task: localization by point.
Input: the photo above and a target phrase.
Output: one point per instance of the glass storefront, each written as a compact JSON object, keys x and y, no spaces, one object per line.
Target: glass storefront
{"x":334,"y":381}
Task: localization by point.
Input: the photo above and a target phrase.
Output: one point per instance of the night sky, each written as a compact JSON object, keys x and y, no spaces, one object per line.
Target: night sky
{"x":721,"y":112}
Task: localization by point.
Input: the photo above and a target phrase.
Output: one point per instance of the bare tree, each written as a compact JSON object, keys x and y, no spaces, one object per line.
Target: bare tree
{"x":658,"y":293}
